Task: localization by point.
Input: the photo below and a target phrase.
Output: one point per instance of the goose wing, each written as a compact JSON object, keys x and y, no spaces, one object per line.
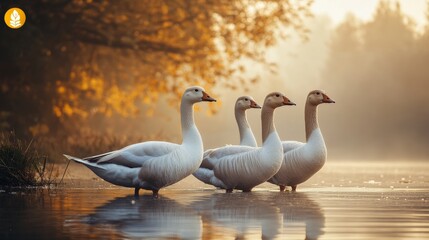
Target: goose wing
{"x":95,"y":158}
{"x":291,"y":145}
{"x":212,"y":156}
{"x":135,"y":155}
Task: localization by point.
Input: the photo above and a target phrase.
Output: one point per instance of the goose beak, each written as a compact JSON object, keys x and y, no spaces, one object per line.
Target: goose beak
{"x":207,"y":98}
{"x":326,"y":99}
{"x":286,"y":101}
{"x":253,"y":104}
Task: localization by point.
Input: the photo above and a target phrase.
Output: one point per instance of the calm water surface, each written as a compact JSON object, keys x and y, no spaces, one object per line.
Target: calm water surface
{"x":343,"y":201}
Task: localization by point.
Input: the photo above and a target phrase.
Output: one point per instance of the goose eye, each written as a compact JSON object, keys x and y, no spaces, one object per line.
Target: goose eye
{"x":277,"y":95}
{"x":318,"y":93}
{"x":246,"y":99}
{"x":196,"y":90}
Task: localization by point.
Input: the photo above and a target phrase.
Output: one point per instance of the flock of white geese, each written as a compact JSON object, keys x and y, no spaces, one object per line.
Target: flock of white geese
{"x":153,"y":165}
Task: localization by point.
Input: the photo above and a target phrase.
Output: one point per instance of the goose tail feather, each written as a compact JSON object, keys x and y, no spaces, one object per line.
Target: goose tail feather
{"x":81,"y":161}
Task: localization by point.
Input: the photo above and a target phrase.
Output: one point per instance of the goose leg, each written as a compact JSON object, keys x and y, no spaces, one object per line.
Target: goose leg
{"x":294,"y":188}
{"x":247,"y":190}
{"x":136,"y":192}
{"x":229,"y":190}
{"x":282,"y":188}
{"x":155,"y":193}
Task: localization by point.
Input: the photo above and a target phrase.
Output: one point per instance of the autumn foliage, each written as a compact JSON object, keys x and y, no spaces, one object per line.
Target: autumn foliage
{"x":76,"y":60}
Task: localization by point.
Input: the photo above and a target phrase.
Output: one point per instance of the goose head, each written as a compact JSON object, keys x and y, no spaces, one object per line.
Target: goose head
{"x":317,"y":97}
{"x":246,"y":102}
{"x":276,"y":99}
{"x":197,"y":94}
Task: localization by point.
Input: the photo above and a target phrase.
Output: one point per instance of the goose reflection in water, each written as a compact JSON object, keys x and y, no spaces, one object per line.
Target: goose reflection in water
{"x":241,"y":213}
{"x":146,"y":217}
{"x":298,"y":207}
{"x":271,"y":213}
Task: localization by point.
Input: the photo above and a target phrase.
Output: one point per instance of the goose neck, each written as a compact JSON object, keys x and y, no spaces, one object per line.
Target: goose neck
{"x":311,"y":122}
{"x":268,"y":127}
{"x":189,"y":130}
{"x":243,"y":124}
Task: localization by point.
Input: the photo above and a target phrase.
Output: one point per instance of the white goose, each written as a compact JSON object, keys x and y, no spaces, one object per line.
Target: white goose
{"x":246,"y":135}
{"x":153,"y":165}
{"x":243,"y":167}
{"x":303,"y":160}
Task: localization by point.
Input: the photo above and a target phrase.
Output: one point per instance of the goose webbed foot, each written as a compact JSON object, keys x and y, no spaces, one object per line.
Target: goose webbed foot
{"x":229,"y":190}
{"x":282,"y":188}
{"x":247,"y":190}
{"x":294,"y":188}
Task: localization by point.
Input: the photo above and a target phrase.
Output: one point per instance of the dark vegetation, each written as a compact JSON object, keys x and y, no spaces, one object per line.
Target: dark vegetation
{"x":22,"y":165}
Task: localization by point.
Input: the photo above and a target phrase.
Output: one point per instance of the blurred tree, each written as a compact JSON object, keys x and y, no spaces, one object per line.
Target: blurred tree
{"x":396,"y":28}
{"x":379,"y":70}
{"x":347,"y":36}
{"x":80,"y":59}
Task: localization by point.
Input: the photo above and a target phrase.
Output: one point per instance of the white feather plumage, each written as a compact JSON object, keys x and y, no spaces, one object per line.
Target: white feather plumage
{"x":154,"y":165}
{"x":246,"y":135}
{"x":243,"y":167}
{"x":205,"y":172}
{"x":302,"y":160}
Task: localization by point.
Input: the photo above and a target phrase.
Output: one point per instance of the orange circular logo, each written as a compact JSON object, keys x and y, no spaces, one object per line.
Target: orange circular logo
{"x":14,"y":18}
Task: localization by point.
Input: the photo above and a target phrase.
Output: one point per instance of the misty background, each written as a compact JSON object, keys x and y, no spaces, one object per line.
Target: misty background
{"x":377,"y":71}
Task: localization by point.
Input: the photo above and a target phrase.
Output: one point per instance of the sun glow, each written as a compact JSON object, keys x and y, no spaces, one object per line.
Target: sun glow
{"x":364,"y":9}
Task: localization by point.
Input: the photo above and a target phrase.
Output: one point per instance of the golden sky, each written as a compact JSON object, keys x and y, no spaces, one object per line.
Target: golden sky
{"x":364,"y":9}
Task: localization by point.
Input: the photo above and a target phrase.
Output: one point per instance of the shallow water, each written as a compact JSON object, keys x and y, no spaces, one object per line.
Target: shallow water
{"x":354,"y":200}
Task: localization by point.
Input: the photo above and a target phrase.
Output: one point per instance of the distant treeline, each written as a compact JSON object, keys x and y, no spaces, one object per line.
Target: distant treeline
{"x":379,"y":71}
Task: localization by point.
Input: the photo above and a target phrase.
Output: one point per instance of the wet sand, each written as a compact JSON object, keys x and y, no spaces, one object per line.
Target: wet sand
{"x":346,"y":200}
